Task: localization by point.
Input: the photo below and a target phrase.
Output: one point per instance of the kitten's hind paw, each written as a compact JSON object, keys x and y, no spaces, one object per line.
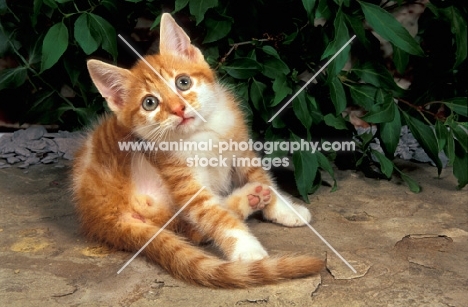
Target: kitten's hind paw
{"x":247,"y":248}
{"x":260,"y":196}
{"x":282,"y":214}
{"x":248,"y":199}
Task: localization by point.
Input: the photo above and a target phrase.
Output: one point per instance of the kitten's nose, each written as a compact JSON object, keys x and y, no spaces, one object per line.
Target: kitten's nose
{"x":179,"y":110}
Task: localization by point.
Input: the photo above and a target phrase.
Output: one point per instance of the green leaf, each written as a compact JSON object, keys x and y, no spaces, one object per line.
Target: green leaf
{"x":458,"y":105}
{"x":271,"y":51}
{"x":34,"y":52}
{"x":242,"y":92}
{"x":386,"y":166}
{"x":358,"y":28}
{"x":179,"y":5}
{"x":390,"y":134}
{"x":278,"y":122}
{"x":54,"y":45}
{"x":340,"y":39}
{"x":87,"y":40}
{"x":309,"y":7}
{"x":366,"y":138}
{"x":4,"y":45}
{"x":449,"y":148}
{"x":198,"y":8}
{"x":73,"y":71}
{"x":441,"y":134}
{"x":3,"y":6}
{"x":335,"y":122}
{"x":252,"y":55}
{"x":271,"y":136}
{"x":426,"y":138}
{"x":13,"y":77}
{"x":242,"y":68}
{"x":337,"y":95}
{"x":459,"y":29}
{"x":51,"y":4}
{"x":42,"y":101}
{"x":341,"y":2}
{"x":314,"y":111}
{"x":281,"y":89}
{"x":460,"y":166}
{"x":301,"y":110}
{"x":37,"y":5}
{"x":106,"y":31}
{"x":274,"y":67}
{"x":389,"y":28}
{"x":216,"y":29}
{"x":256,"y":94}
{"x":316,"y":184}
{"x":305,"y":169}
{"x":290,"y":38}
{"x":110,"y":5}
{"x":323,"y":10}
{"x":400,"y":59}
{"x":156,"y":22}
{"x":383,"y":111}
{"x":324,"y":164}
{"x":377,"y":75}
{"x":363,"y":95}
{"x":412,"y":184}
{"x":460,"y":134}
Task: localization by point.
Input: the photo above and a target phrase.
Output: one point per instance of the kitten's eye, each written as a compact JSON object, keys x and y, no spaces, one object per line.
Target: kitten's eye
{"x":183,"y":82}
{"x":150,"y":103}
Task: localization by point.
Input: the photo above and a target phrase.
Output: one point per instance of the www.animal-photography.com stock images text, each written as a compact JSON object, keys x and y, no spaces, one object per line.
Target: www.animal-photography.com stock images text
{"x":220,"y":153}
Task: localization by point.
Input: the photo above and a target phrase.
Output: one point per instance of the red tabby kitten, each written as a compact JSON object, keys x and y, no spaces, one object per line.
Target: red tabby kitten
{"x":124,"y":198}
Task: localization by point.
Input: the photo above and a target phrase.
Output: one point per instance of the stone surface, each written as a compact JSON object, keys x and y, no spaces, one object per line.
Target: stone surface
{"x":411,"y":249}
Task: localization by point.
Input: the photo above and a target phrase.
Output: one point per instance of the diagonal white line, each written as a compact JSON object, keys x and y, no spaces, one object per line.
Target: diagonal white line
{"x":160,"y":230}
{"x":161,"y":77}
{"x":313,"y":78}
{"x":315,"y":231}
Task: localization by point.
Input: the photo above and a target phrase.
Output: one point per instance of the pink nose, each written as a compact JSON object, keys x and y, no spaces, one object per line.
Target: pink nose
{"x":179,"y":110}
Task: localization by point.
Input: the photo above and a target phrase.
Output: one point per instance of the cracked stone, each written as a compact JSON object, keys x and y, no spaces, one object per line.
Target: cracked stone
{"x":340,"y":270}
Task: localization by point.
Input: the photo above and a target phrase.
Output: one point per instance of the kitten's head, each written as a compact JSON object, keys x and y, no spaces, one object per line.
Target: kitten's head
{"x":167,"y":95}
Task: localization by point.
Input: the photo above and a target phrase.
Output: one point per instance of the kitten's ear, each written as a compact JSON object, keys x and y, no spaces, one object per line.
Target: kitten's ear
{"x":173,"y":40}
{"x":111,"y":81}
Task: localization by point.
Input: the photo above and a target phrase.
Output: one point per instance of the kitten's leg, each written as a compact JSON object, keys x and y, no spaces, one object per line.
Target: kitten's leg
{"x":248,"y":199}
{"x":277,"y":211}
{"x":191,"y":232}
{"x":206,"y":213}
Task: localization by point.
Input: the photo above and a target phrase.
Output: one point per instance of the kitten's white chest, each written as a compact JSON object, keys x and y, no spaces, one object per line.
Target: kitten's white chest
{"x":211,"y":167}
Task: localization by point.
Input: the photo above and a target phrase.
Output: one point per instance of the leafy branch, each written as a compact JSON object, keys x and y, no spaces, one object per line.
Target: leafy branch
{"x":267,"y":71}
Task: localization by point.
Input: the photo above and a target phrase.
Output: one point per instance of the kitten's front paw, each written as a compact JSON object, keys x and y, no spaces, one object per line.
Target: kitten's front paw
{"x":283,"y":215}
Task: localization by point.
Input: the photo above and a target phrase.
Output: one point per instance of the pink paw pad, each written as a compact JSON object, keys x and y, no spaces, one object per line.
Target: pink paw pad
{"x":261,"y":198}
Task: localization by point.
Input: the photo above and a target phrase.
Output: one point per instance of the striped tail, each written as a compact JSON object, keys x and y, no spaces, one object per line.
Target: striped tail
{"x":188,"y":263}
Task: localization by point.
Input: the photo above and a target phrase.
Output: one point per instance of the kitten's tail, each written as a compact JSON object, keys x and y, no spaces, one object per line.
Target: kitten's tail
{"x":191,"y":264}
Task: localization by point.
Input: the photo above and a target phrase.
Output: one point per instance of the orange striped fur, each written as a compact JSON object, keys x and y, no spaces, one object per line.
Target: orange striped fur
{"x":123,"y":198}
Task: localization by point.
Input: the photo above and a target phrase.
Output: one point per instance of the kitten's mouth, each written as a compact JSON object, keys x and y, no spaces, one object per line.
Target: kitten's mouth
{"x":185,"y":120}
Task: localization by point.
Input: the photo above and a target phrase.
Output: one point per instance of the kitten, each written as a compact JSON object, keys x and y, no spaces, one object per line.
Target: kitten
{"x":124,"y":198}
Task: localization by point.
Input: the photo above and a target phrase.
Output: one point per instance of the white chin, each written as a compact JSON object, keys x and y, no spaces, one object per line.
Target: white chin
{"x":188,"y":126}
